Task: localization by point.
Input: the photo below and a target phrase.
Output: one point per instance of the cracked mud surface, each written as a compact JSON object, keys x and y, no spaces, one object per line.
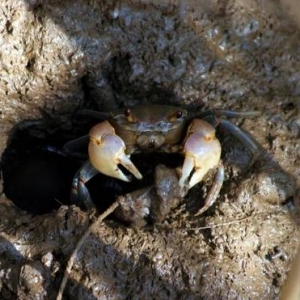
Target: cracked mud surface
{"x":58,"y":57}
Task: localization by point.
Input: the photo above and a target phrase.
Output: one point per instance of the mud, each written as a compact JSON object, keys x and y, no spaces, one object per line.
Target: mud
{"x":58,"y":57}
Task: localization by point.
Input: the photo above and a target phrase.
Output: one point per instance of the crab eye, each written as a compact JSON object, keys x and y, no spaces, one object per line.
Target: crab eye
{"x":179,"y":114}
{"x":129,"y":116}
{"x":176,"y":116}
{"x":127,"y":112}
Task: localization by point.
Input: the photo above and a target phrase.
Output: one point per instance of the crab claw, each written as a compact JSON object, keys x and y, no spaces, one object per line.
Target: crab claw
{"x":107,"y":150}
{"x":202,"y":152}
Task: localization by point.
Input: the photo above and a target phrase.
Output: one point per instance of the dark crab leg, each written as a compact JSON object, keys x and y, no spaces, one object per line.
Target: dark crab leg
{"x":242,"y":137}
{"x":213,"y":117}
{"x":214,"y":191}
{"x":82,"y":141}
{"x":74,"y":145}
{"x":80,"y":194}
{"x":216,"y":113}
{"x":101,"y":116}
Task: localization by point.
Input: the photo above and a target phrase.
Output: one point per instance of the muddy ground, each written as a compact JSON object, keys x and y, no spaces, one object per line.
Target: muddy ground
{"x":58,"y":57}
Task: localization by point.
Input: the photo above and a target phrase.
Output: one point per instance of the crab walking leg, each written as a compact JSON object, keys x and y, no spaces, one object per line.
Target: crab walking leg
{"x":80,"y":194}
{"x":213,"y":117}
{"x":101,"y":116}
{"x":242,"y":137}
{"x":214,"y":191}
{"x":71,"y":148}
{"x":107,"y":150}
{"x":228,"y":113}
{"x":202,"y":152}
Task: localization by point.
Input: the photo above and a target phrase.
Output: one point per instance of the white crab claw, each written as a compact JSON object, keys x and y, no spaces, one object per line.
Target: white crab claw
{"x":107,"y":150}
{"x":202,"y":152}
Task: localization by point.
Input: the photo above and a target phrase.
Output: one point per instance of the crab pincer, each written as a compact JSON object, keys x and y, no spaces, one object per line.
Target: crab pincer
{"x":202,"y":151}
{"x":107,"y":151}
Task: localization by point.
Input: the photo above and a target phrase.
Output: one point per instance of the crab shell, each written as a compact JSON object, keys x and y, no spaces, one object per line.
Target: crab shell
{"x":154,"y":128}
{"x":150,"y":127}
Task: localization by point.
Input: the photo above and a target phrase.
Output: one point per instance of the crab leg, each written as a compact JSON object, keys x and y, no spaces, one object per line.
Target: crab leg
{"x":214,"y":191}
{"x":101,"y":116}
{"x":242,"y":137}
{"x":202,"y":152}
{"x":107,"y":150}
{"x":80,"y":194}
{"x":71,"y":148}
{"x":213,"y":117}
{"x":228,"y":113}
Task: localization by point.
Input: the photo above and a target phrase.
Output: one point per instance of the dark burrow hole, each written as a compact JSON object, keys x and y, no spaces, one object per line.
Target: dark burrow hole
{"x":37,"y":174}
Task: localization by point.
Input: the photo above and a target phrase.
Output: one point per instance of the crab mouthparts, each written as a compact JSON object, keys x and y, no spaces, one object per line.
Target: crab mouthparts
{"x":150,"y":141}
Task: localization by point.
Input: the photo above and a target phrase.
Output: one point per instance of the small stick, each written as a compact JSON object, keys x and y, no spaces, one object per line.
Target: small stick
{"x":79,"y":245}
{"x":219,"y":225}
{"x":209,"y":226}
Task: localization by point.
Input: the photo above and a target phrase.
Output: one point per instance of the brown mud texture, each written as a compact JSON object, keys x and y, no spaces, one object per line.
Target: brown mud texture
{"x":59,"y":57}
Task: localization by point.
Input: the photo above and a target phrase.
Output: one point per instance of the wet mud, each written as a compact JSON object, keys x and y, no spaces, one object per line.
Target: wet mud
{"x":59,"y":57}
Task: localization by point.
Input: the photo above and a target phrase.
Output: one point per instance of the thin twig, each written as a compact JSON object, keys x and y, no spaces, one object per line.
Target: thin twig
{"x":218,"y":225}
{"x":208,"y":226}
{"x":79,"y":245}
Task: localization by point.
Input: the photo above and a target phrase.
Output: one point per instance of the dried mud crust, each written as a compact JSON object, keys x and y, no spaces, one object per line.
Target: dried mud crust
{"x":59,"y":56}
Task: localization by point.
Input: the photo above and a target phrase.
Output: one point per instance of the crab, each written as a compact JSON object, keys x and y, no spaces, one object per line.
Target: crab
{"x":163,"y":128}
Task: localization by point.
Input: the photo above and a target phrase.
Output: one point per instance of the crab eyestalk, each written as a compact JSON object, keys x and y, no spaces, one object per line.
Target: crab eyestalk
{"x":107,"y":151}
{"x":202,"y":152}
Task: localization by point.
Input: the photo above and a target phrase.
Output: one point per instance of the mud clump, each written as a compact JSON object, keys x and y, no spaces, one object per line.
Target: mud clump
{"x":153,"y":203}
